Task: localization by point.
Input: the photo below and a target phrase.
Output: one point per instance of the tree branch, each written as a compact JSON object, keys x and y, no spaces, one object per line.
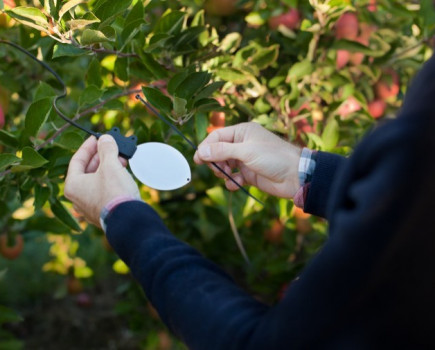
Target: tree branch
{"x":77,"y":117}
{"x":82,"y":114}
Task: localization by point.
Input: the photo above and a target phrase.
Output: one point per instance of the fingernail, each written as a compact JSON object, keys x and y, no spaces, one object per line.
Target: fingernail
{"x":204,"y":152}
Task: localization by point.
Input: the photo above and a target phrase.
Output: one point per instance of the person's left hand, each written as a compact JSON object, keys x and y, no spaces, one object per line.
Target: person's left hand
{"x":96,"y":176}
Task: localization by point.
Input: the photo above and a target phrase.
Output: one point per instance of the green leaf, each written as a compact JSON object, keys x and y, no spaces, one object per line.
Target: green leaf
{"x":157,"y":40}
{"x":8,"y":139}
{"x":170,"y":23}
{"x":41,"y":196}
{"x":107,"y":10}
{"x":37,"y":115}
{"x":88,"y":19}
{"x":7,"y":160}
{"x":61,"y":50}
{"x":158,"y":100}
{"x":47,"y":225}
{"x":217,"y":195}
{"x":90,"y":37}
{"x":90,"y":95}
{"x":70,"y":140}
{"x":330,"y":135}
{"x":209,"y":90}
{"x":265,"y":57}
{"x":152,"y":65}
{"x":93,"y":75}
{"x":31,"y":17}
{"x":300,"y":69}
{"x":201,"y":123}
{"x":24,"y":14}
{"x":198,"y":19}
{"x":44,"y":90}
{"x":186,"y":37}
{"x":63,"y":214}
{"x":353,"y":46}
{"x":31,"y":160}
{"x":231,"y":42}
{"x":133,"y":21}
{"x":68,"y":6}
{"x":179,"y":106}
{"x":233,"y":75}
{"x":207,"y":105}
{"x":8,"y":315}
{"x":191,"y":84}
{"x":175,"y":81}
{"x":122,"y":68}
{"x":427,"y":12}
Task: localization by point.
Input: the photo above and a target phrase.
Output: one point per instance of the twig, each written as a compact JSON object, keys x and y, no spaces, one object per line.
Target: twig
{"x":75,"y":43}
{"x":110,"y":52}
{"x":76,"y":117}
{"x":404,"y":51}
{"x":235,"y":231}
{"x":82,"y":114}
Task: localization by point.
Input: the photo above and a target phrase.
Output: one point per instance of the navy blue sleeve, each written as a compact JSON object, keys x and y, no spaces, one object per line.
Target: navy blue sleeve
{"x":327,"y":166}
{"x":195,"y":298}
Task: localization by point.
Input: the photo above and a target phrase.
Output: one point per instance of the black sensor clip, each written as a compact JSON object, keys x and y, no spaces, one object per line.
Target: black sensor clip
{"x":126,"y":145}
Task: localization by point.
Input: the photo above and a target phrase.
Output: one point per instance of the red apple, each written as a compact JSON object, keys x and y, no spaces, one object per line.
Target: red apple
{"x":357,"y":58}
{"x":9,"y":3}
{"x":275,"y":232}
{"x":388,"y":86}
{"x":351,"y":105}
{"x":343,"y":57}
{"x":377,"y":108}
{"x":217,"y":119}
{"x":290,"y":19}
{"x":347,"y":26}
{"x":373,"y":6}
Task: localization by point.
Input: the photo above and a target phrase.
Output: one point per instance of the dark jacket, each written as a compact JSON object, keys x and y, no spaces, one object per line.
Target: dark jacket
{"x":372,"y":285}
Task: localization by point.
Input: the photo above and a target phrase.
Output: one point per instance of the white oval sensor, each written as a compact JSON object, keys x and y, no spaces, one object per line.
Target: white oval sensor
{"x":160,"y":166}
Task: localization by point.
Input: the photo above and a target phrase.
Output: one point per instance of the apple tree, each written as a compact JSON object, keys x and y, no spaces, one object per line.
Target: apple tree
{"x":319,"y":73}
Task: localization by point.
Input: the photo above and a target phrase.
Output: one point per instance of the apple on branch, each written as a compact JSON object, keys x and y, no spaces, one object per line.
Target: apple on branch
{"x":290,"y":19}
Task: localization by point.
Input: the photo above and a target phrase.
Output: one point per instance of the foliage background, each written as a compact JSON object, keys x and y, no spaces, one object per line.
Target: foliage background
{"x":193,"y":65}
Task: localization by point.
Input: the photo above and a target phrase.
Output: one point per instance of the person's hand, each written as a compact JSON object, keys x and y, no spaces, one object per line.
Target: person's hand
{"x":96,"y":176}
{"x":263,"y":159}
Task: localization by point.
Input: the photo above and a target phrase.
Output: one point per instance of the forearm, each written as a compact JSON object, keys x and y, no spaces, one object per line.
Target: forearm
{"x":194,"y":297}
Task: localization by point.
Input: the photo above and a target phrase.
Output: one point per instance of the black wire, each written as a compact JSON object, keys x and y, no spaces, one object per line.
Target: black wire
{"x":173,"y":127}
{"x":59,"y":79}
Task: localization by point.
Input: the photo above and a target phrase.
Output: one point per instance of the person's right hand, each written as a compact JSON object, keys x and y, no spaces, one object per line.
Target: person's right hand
{"x":263,"y":159}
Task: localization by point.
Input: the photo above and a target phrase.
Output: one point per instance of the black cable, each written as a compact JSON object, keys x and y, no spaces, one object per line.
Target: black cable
{"x":173,"y":127}
{"x":59,"y":79}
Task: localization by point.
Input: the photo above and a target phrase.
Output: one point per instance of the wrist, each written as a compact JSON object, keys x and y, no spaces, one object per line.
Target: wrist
{"x":111,"y":205}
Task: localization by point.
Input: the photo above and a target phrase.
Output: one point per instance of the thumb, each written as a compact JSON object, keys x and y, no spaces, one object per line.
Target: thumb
{"x":222,"y":151}
{"x":107,"y":150}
